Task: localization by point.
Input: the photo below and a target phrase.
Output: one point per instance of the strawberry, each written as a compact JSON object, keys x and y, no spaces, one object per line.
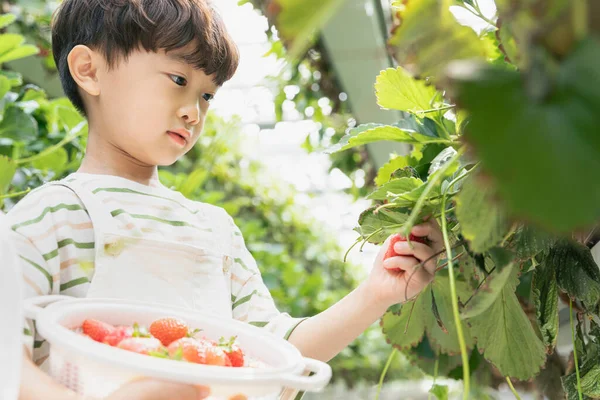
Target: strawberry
{"x":399,"y":238}
{"x":97,"y":330}
{"x":233,"y":352}
{"x":140,"y":345}
{"x":119,"y":333}
{"x":216,"y":356}
{"x":168,"y":330}
{"x":189,"y":349}
{"x":199,"y":352}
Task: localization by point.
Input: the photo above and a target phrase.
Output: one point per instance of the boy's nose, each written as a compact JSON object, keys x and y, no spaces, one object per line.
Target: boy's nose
{"x":190,"y":114}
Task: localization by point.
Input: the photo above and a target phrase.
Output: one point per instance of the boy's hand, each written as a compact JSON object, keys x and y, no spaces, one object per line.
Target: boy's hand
{"x":400,"y":278}
{"x":149,"y":389}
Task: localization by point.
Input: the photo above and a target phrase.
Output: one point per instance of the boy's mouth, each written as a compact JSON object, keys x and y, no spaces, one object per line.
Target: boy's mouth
{"x":179,"y":136}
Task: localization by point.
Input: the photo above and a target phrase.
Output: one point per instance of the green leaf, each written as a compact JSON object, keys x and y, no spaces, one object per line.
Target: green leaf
{"x":6,"y":20}
{"x":7,"y":170}
{"x":545,"y":299}
{"x":20,"y":52}
{"x":298,"y":21}
{"x":590,"y":382}
{"x":4,"y":85}
{"x":9,"y":42}
{"x":369,"y":133}
{"x":389,"y":220}
{"x":397,"y":90}
{"x":193,"y":182}
{"x":506,"y":336}
{"x":18,"y":125}
{"x":425,"y":126}
{"x":397,"y":187}
{"x":553,"y":143}
{"x":529,"y":241}
{"x":482,"y":221}
{"x":439,"y":391}
{"x":396,"y":330}
{"x":14,"y":78}
{"x":445,"y":342}
{"x":385,"y":173}
{"x":53,"y":161}
{"x":577,"y":273}
{"x":488,"y":293}
{"x":430,"y":37}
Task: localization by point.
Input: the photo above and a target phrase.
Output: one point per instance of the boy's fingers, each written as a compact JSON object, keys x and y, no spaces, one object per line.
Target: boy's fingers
{"x":402,"y":263}
{"x":429,"y":229}
{"x":419,"y":251}
{"x":150,"y":389}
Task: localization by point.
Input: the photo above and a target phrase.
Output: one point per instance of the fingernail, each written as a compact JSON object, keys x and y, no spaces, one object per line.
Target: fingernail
{"x":202,"y":391}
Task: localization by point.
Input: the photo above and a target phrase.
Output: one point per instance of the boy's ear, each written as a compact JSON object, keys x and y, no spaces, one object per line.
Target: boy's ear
{"x":83,"y":65}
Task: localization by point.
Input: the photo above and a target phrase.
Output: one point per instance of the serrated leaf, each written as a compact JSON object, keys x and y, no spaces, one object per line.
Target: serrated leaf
{"x":430,"y":37}
{"x":6,"y":20}
{"x":577,"y":273}
{"x":18,"y":125}
{"x":385,"y":172}
{"x":506,"y":336}
{"x":7,"y":170}
{"x":529,"y":241}
{"x":445,"y":342}
{"x":389,"y":220}
{"x":394,"y":325}
{"x":18,"y":53}
{"x":396,"y":89}
{"x":439,"y":391}
{"x":369,"y":133}
{"x":425,"y":126}
{"x":397,"y":187}
{"x":488,"y":293}
{"x":553,"y":142}
{"x":482,"y":221}
{"x":545,"y":299}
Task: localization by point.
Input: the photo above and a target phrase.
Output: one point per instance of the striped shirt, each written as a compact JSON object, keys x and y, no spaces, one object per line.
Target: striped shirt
{"x":55,"y":243}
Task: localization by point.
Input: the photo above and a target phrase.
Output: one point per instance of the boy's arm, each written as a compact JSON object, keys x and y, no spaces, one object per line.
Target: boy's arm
{"x":325,"y":335}
{"x":35,"y":384}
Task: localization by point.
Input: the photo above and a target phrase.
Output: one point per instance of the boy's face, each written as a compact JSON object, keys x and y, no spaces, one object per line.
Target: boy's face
{"x":151,"y":106}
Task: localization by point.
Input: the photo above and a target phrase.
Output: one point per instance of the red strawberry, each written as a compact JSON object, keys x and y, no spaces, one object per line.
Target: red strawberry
{"x":168,"y":330}
{"x":233,"y":352}
{"x":119,"y":333}
{"x":97,"y":330}
{"x":399,"y":238}
{"x":199,"y":352}
{"x":216,"y":356}
{"x":190,"y":349}
{"x":140,"y":345}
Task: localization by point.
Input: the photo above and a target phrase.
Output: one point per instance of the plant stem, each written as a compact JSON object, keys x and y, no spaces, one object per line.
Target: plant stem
{"x":430,"y":184}
{"x":512,"y":388}
{"x":10,"y":195}
{"x":448,"y":107}
{"x":575,"y":349}
{"x":435,"y":373}
{"x":459,"y":332}
{"x":384,"y":372}
{"x":477,"y":12}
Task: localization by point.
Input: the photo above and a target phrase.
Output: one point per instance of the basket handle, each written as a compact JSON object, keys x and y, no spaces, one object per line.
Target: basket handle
{"x":34,"y":305}
{"x":314,"y":383}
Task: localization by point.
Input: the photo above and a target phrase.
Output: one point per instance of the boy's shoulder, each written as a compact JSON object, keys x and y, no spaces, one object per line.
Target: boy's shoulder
{"x":47,"y":199}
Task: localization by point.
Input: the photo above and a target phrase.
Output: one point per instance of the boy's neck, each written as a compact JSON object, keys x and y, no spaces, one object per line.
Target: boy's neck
{"x":104,"y":158}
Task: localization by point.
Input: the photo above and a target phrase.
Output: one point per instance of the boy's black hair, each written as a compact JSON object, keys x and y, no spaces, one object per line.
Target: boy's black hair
{"x":116,"y":28}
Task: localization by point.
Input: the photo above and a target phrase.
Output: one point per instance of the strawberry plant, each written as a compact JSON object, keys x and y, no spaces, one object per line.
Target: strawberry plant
{"x":504,"y":128}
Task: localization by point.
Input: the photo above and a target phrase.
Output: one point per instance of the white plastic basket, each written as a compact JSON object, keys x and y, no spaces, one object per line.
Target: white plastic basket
{"x":95,"y":369}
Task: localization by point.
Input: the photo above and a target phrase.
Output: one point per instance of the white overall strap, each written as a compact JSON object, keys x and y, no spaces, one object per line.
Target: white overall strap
{"x":102,"y":220}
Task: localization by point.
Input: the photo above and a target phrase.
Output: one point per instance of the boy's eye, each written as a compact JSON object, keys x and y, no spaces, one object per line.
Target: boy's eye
{"x":181,"y":81}
{"x":208,"y":97}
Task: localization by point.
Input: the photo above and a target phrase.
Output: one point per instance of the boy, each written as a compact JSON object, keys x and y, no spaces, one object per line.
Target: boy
{"x":143,"y":73}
